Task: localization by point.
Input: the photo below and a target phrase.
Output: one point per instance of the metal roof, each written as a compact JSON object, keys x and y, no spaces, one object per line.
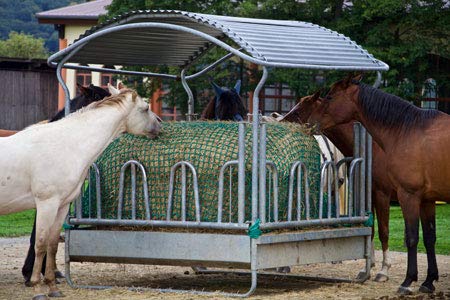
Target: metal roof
{"x":85,"y":11}
{"x":177,"y":38}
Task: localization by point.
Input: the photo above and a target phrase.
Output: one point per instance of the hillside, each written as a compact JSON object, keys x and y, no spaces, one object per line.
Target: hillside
{"x":20,"y":16}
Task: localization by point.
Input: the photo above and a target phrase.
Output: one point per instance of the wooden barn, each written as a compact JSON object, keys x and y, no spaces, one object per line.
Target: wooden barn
{"x":28,"y":93}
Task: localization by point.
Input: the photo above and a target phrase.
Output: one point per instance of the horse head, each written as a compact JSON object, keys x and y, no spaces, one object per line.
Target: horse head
{"x":140,"y":120}
{"x":339,"y":106}
{"x":227,"y":104}
{"x":303,"y":109}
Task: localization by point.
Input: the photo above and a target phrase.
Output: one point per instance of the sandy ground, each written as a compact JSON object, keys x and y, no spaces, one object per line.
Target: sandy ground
{"x":13,"y":250}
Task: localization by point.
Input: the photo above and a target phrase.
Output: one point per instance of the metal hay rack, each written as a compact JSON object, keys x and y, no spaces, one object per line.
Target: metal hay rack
{"x":299,"y":45}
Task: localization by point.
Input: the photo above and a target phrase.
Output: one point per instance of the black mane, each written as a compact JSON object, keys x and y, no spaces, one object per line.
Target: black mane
{"x":91,"y":94}
{"x":391,"y":111}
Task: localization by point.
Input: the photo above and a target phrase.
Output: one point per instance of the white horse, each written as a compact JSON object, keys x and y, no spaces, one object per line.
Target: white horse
{"x":44,"y":166}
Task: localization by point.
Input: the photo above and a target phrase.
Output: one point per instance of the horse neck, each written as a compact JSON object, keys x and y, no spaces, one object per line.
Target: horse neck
{"x":383,"y":136}
{"x":93,"y":130}
{"x":342,"y":137}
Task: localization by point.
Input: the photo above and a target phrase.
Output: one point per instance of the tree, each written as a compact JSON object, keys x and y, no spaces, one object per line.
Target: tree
{"x":22,"y":45}
{"x":411,"y":36}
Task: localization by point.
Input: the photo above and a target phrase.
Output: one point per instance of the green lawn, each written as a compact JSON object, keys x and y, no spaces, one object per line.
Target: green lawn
{"x":396,"y":231}
{"x":18,"y":224}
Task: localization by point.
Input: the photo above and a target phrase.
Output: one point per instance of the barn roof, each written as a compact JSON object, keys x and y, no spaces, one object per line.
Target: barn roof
{"x":177,"y":38}
{"x":85,"y":11}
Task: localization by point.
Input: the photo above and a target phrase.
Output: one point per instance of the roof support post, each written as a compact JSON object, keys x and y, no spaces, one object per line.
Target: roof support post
{"x":190,"y":113}
{"x":61,"y":79}
{"x":255,"y":144}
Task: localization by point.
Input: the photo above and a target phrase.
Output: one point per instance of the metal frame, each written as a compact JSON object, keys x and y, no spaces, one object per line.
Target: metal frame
{"x":359,"y":189}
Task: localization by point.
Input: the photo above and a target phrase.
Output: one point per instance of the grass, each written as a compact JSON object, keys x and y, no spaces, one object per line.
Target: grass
{"x":396,"y":231}
{"x":20,"y":224}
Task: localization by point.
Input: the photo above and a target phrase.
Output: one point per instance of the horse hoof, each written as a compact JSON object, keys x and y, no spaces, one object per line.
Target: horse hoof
{"x":404,"y":290}
{"x":362,"y":276}
{"x":284,"y":270}
{"x":40,"y":297}
{"x":381,"y":277}
{"x":28,"y":283}
{"x":59,"y":274}
{"x":427,"y":290}
{"x":56,"y":294}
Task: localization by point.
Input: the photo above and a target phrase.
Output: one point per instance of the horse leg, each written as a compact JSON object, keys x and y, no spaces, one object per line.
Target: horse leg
{"x":50,"y":278}
{"x":410,"y":205}
{"x":428,"y":220}
{"x":27,"y":268}
{"x":381,"y":203}
{"x":46,"y":211}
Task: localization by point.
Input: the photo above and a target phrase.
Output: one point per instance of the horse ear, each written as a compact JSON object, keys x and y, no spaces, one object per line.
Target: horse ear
{"x":82,"y":89}
{"x":315,"y":96}
{"x":217,"y":89}
{"x":357,"y":79}
{"x":120,"y":85}
{"x":237,"y":87}
{"x":112,"y":90}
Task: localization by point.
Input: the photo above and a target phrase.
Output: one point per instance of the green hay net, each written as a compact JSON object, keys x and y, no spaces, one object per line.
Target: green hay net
{"x":207,"y":146}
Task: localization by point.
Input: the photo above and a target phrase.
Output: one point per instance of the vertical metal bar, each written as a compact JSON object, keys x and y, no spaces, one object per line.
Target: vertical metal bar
{"x":190,"y":95}
{"x":133,"y":191}
{"x":356,"y":154}
{"x":183,"y":193}
{"x":329,"y":190}
{"x":196,"y":197}
{"x":230,"y":195}
{"x":241,"y":173}
{"x":262,"y":174}
{"x":221,"y":184}
{"x":351,"y":186}
{"x":323,"y":173}
{"x":255,"y":128}
{"x":78,"y":206}
{"x":98,"y":196}
{"x":291,"y":190}
{"x":170,"y":198}
{"x":89,"y":192}
{"x":274,"y":170}
{"x":299,"y":192}
{"x":336,"y":190}
{"x":362,"y":173}
{"x":307,"y":200}
{"x":120,"y":201}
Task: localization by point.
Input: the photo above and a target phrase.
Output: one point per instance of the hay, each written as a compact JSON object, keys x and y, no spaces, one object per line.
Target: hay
{"x":207,"y":145}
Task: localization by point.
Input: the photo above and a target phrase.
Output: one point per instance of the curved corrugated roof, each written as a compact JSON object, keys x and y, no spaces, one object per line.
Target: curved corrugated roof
{"x":135,"y":39}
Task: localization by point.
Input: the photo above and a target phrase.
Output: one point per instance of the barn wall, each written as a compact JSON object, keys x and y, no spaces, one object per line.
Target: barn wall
{"x":27,"y":97}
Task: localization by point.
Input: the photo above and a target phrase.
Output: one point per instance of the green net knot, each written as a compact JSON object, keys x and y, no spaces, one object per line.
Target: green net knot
{"x":369,"y":222}
{"x":67,"y":226}
{"x":253,"y":231}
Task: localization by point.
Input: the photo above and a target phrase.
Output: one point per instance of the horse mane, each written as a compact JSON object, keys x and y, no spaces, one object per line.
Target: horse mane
{"x":89,"y":94}
{"x":114,"y":100}
{"x":230,"y":104}
{"x":392,"y":111}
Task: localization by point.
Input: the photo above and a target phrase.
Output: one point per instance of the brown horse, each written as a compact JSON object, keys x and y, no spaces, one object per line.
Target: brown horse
{"x":415,"y":142}
{"x":342,"y":137}
{"x":5,"y":133}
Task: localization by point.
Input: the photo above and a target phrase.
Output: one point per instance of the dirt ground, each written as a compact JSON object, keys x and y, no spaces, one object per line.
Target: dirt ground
{"x":13,"y":251}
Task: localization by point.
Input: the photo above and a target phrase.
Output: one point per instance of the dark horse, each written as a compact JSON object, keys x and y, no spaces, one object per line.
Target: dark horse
{"x":227,"y":104}
{"x":87,"y":95}
{"x":416,"y":143}
{"x":342,"y":137}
